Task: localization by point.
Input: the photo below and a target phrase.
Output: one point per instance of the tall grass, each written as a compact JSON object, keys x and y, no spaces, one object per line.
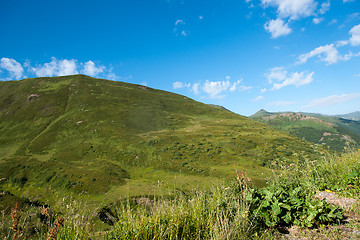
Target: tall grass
{"x":219,"y":213}
{"x":236,"y":211}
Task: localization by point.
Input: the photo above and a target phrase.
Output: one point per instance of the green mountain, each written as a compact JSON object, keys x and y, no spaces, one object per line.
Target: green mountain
{"x":105,"y":140}
{"x":330,"y":131}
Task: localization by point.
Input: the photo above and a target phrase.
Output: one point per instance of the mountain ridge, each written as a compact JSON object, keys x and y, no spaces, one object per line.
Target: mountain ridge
{"x":328,"y":130}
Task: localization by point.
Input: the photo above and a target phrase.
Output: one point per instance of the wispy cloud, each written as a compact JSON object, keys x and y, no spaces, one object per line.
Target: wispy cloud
{"x":179,"y":28}
{"x":216,"y":88}
{"x":195,"y":88}
{"x":177,"y":85}
{"x":280,"y":78}
{"x":258,"y":98}
{"x":332,"y":100}
{"x":281,"y":103}
{"x":213,"y":89}
{"x":325,"y":7}
{"x":179,"y":22}
{"x":317,"y":20}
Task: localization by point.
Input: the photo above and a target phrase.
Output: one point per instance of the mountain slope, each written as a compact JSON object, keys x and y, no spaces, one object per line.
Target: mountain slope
{"x":320,"y":129}
{"x":351,"y":116}
{"x":85,"y":135}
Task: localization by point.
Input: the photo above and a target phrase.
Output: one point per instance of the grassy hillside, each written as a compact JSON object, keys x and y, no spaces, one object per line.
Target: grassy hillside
{"x":330,"y":131}
{"x":104,"y":140}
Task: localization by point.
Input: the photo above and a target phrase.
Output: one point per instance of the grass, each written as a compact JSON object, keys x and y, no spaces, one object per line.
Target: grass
{"x":330,"y":131}
{"x":219,"y":212}
{"x":80,"y":134}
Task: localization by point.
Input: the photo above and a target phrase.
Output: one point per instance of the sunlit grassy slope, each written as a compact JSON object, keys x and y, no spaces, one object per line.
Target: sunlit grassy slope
{"x":85,"y":135}
{"x":330,"y":131}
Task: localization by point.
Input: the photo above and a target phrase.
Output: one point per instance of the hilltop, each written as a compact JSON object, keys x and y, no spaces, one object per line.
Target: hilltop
{"x":331,"y":131}
{"x":77,"y":134}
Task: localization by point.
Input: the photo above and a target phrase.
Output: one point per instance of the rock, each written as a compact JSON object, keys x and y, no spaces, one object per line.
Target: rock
{"x":332,"y":198}
{"x":32,"y":97}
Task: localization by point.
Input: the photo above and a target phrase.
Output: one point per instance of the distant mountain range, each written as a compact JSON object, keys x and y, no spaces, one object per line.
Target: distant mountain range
{"x":336,"y":132}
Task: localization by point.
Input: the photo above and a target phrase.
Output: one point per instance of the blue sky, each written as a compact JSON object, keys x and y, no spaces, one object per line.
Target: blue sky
{"x":279,"y":55}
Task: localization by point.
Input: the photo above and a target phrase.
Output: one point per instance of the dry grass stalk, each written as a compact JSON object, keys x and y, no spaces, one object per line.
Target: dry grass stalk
{"x":54,"y":231}
{"x":15,"y":216}
{"x":45,"y":212}
{"x":244,"y":182}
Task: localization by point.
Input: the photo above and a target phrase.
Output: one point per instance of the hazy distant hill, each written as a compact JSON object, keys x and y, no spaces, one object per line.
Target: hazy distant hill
{"x":94,"y":136}
{"x":351,"y":116}
{"x":331,"y":131}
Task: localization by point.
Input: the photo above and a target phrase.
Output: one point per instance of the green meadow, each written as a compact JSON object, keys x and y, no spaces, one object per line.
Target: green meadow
{"x":115,"y":160}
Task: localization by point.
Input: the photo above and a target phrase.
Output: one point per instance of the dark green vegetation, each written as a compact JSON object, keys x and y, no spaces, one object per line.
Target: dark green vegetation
{"x":330,"y":131}
{"x":77,"y":134}
{"x":232,"y":211}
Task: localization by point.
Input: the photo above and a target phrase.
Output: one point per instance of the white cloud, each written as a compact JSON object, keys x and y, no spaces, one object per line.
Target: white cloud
{"x":195,"y":88}
{"x":327,"y":53}
{"x":201,"y":17}
{"x":70,"y":67}
{"x":277,"y":74}
{"x":91,"y":69}
{"x":263,"y":90}
{"x":55,"y":68}
{"x":67,"y":67}
{"x":277,"y":28}
{"x":234,"y":85}
{"x":317,"y":20}
{"x":355,"y":35}
{"x":332,"y":100}
{"x":177,"y":85}
{"x":258,"y":98}
{"x":13,"y":67}
{"x":244,"y":88}
{"x":294,"y":9}
{"x":345,"y":1}
{"x":342,"y":43}
{"x":296,"y":79}
{"x":215,"y":88}
{"x":280,"y":78}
